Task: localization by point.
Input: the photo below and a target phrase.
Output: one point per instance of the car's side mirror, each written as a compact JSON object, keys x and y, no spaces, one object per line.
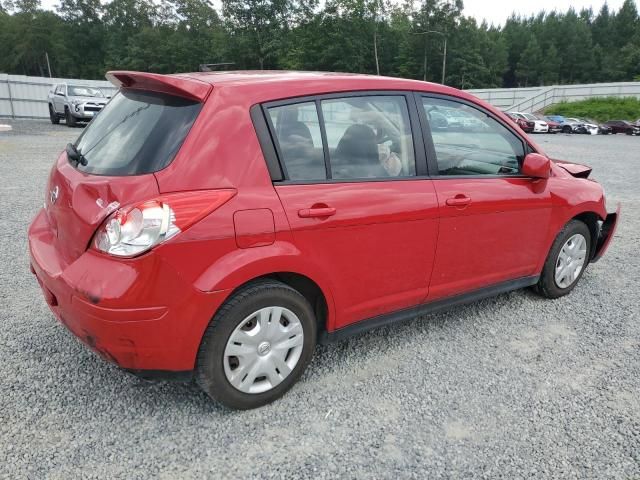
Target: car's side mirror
{"x":536,"y":166}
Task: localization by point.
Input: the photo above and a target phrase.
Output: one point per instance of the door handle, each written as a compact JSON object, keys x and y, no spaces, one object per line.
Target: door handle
{"x":459,"y":200}
{"x":316,"y":212}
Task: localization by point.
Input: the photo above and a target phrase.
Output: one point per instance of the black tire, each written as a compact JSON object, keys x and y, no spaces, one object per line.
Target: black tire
{"x":566,"y":129}
{"x":70,"y":119}
{"x":210,"y":373}
{"x":546,"y":285}
{"x":53,"y":116}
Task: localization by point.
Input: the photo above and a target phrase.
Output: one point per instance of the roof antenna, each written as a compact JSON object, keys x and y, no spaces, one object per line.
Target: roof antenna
{"x":215,"y":67}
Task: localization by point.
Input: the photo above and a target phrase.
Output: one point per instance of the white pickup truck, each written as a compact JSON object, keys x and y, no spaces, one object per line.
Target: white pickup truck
{"x":75,"y":103}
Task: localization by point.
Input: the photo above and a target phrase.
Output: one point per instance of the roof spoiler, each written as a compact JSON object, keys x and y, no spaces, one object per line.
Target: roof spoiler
{"x":179,"y":86}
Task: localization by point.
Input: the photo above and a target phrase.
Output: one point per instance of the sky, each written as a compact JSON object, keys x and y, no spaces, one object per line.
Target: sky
{"x":496,"y":11}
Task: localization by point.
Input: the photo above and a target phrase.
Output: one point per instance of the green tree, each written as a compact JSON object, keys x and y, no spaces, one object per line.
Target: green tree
{"x":529,"y":65}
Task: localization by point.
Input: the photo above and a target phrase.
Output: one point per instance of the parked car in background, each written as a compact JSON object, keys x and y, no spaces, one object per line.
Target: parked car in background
{"x":573,"y":125}
{"x":74,"y":103}
{"x":220,"y":225}
{"x":566,"y":125}
{"x":524,"y":124}
{"x":539,"y":126}
{"x":623,"y":126}
{"x":602,"y":128}
{"x":556,"y":118}
{"x":455,"y":120}
{"x":554,"y":127}
{"x":591,"y":128}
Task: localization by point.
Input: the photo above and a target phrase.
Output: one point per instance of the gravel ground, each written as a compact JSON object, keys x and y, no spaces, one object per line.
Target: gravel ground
{"x":513,"y":387}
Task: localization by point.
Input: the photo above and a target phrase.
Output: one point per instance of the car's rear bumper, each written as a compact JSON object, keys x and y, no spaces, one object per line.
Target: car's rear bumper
{"x":607,"y":231}
{"x":137,"y":313}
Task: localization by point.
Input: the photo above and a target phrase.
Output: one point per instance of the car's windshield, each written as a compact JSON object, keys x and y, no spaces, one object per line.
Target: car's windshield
{"x":529,"y":116}
{"x":80,"y":91}
{"x":136,"y":133}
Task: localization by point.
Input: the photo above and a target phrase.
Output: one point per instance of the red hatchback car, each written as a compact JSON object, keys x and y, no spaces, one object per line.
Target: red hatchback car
{"x":220,"y":224}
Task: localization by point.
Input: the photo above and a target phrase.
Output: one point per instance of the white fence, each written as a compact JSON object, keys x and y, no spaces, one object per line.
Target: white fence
{"x":537,"y":98}
{"x":26,"y":97}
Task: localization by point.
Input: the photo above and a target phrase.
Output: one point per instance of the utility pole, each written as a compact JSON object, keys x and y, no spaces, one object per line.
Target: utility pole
{"x":375,"y":49}
{"x":444,"y":53}
{"x":48,"y":64}
{"x":375,"y":38}
{"x":444,"y":59}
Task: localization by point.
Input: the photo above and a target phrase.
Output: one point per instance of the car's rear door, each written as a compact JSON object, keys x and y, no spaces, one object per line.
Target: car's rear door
{"x":357,"y":197}
{"x":493,"y":220}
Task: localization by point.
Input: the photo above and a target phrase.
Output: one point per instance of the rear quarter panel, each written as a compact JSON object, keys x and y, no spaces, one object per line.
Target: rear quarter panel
{"x":222,"y":151}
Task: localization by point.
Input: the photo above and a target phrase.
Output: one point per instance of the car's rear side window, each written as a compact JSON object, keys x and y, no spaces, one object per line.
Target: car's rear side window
{"x":136,"y":133}
{"x":346,"y":138}
{"x":369,"y":137}
{"x":298,"y":131}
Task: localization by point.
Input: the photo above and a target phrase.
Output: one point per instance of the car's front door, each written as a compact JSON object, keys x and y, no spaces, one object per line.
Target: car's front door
{"x":493,"y":220}
{"x":58,"y":98}
{"x":356,"y":203}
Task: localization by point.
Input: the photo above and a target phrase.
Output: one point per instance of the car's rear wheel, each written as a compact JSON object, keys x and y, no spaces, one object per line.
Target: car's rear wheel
{"x":257,"y":345}
{"x":53,"y":116}
{"x":567,"y":260}
{"x":70,"y":119}
{"x":566,"y":129}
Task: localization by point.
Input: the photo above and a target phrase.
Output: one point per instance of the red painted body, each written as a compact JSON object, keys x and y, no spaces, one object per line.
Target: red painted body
{"x":370,"y":247}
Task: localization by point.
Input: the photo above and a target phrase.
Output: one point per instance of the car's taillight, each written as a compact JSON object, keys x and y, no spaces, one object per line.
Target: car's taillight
{"x":133,"y":230}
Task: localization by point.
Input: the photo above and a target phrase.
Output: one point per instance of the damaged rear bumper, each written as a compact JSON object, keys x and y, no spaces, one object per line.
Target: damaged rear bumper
{"x":139,"y":314}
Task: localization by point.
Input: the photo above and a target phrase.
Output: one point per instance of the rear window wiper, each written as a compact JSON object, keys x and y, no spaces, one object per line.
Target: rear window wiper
{"x":74,"y":154}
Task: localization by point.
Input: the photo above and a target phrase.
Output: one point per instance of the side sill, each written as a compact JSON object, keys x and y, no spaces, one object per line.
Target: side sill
{"x":161,"y":375}
{"x":426,"y":308}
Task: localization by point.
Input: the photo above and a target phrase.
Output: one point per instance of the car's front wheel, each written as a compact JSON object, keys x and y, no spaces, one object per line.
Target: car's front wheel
{"x":566,"y":129}
{"x":53,"y":116}
{"x":69,"y":118}
{"x":567,"y":260}
{"x":257,"y":345}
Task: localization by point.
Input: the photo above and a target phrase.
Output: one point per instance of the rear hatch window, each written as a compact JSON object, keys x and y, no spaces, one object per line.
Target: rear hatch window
{"x":136,"y":133}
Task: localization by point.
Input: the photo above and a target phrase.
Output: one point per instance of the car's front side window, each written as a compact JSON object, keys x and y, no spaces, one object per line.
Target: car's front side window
{"x":468,"y":141}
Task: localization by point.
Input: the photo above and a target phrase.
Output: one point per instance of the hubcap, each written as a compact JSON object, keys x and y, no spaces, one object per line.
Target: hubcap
{"x":263,"y":350}
{"x":570,"y":260}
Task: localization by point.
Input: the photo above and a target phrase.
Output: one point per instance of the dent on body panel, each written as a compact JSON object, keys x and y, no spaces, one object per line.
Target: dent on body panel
{"x":577,"y":195}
